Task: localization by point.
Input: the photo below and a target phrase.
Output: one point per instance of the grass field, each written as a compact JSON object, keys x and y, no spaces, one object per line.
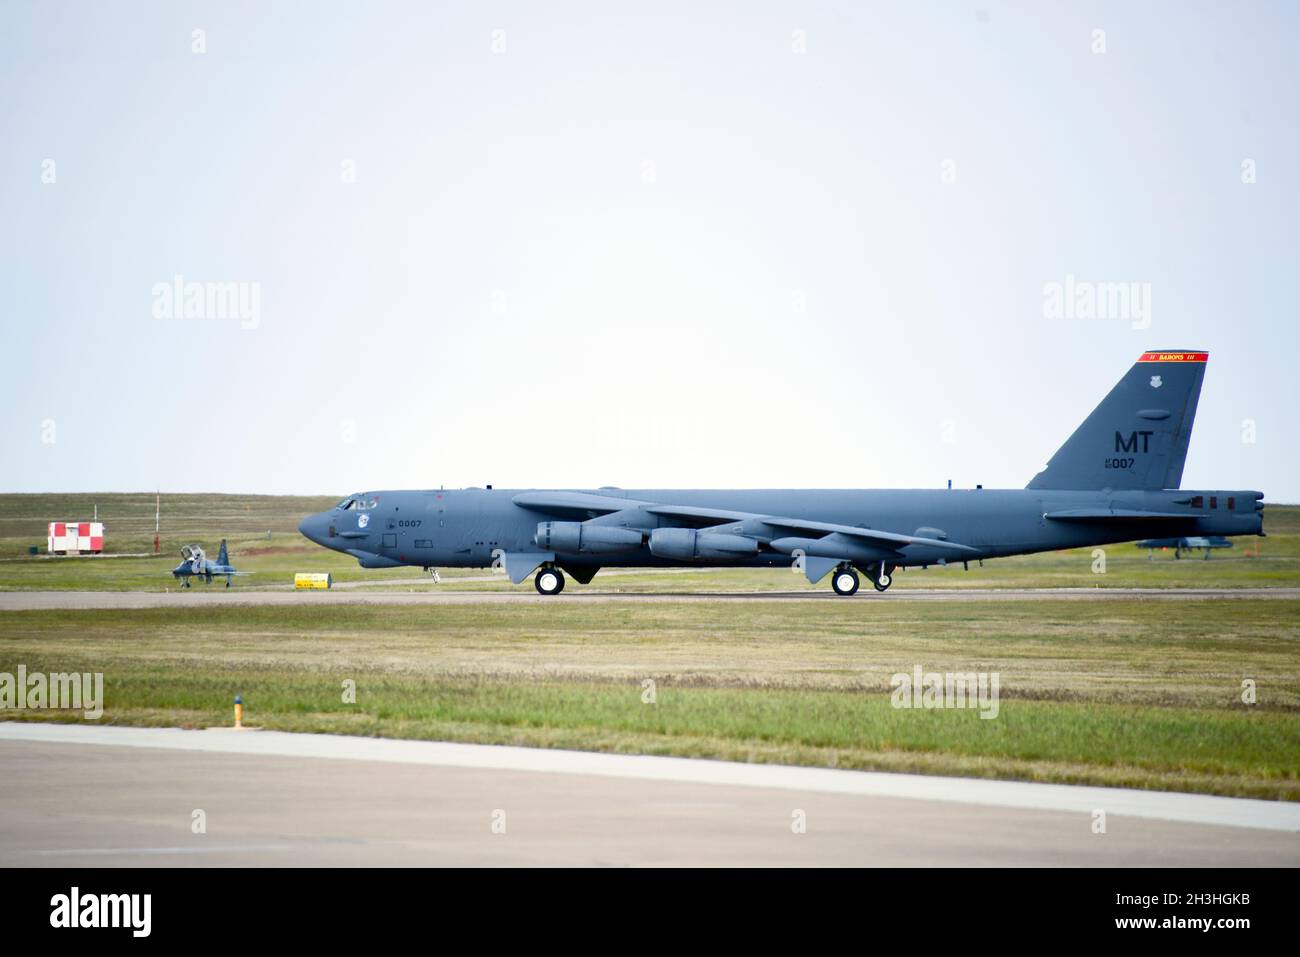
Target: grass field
{"x":1131,"y":693}
{"x":1124,"y":693}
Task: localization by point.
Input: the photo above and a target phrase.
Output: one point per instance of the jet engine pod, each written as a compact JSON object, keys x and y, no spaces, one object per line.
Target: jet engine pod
{"x":690,"y":545}
{"x":580,"y":538}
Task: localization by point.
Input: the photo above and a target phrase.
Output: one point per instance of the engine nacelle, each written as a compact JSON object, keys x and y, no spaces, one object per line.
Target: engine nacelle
{"x":688,"y":544}
{"x":580,"y":538}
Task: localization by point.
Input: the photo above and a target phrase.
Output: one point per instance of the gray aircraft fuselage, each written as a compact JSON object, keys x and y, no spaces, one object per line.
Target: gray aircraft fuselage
{"x":462,"y":528}
{"x":1116,"y":479}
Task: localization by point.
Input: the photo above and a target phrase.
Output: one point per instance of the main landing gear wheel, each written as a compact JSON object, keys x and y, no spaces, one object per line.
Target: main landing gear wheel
{"x":549,"y":581}
{"x":844,"y":581}
{"x":883,"y":580}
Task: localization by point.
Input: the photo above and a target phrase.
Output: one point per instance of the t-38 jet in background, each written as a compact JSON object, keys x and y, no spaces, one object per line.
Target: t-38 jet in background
{"x":1116,"y":479}
{"x":1187,"y":543}
{"x":196,"y":564}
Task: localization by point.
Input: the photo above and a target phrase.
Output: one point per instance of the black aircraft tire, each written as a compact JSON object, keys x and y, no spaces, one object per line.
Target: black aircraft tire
{"x":883,"y":581}
{"x":549,"y":581}
{"x":844,"y":581}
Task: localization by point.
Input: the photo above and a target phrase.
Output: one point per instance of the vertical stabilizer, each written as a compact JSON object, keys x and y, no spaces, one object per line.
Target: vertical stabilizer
{"x":1137,"y":438}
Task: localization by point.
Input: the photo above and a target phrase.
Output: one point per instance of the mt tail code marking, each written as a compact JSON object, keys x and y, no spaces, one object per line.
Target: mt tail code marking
{"x":1131,"y":443}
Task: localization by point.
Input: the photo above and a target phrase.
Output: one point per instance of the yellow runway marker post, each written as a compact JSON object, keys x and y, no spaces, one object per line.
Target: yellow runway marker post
{"x":239,"y":718}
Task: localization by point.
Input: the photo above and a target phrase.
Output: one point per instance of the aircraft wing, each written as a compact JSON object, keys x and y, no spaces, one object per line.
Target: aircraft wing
{"x":588,"y":505}
{"x":872,"y":536}
{"x":577,"y":504}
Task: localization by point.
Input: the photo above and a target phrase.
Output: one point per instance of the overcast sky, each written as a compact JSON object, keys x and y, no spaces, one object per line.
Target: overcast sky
{"x":717,"y":244}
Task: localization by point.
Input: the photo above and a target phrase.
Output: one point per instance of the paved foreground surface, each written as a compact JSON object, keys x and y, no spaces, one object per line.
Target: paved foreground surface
{"x":273,"y":799}
{"x":37,"y":600}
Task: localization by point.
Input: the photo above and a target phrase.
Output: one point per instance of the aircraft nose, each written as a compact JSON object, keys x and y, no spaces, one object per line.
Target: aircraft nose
{"x":313,"y":527}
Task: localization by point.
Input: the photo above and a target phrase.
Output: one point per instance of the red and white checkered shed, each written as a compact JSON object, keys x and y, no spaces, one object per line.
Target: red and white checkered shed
{"x":76,"y":537}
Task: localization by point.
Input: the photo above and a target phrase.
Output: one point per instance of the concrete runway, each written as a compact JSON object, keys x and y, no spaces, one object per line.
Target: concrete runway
{"x":104,"y":796}
{"x":37,"y":600}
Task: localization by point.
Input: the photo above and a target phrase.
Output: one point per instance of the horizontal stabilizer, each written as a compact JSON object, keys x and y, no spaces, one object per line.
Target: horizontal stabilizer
{"x":1103,"y":515}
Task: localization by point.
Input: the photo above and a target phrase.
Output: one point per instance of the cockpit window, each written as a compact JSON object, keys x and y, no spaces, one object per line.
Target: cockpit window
{"x":358,"y":503}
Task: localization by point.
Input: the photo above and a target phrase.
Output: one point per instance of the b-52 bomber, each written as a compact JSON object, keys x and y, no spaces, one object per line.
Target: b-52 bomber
{"x":1116,"y":479}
